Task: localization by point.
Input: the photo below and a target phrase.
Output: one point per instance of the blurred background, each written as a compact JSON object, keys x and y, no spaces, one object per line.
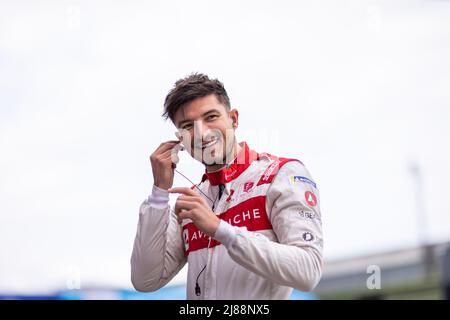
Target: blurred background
{"x":358,"y":90}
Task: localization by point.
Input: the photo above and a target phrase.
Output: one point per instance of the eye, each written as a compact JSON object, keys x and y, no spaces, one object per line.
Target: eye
{"x":187,"y":126}
{"x":211,"y":117}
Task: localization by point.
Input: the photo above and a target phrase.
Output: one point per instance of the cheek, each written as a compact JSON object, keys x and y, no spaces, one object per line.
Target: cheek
{"x":188,"y":138}
{"x":223,"y":130}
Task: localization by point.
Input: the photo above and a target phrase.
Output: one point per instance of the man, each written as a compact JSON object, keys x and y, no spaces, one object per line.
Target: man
{"x":251,"y":229}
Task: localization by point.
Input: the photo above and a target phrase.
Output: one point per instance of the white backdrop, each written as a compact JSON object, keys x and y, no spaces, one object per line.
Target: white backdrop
{"x":358,"y":90}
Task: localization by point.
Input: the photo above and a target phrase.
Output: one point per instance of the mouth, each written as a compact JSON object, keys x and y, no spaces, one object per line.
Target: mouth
{"x":208,"y":144}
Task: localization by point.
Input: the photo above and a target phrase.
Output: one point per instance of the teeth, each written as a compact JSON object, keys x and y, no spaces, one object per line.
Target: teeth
{"x":210,"y":143}
{"x":206,"y":144}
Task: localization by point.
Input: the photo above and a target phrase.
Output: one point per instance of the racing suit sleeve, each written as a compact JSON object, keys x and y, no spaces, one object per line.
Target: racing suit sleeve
{"x":158,"y":252}
{"x":292,"y":204}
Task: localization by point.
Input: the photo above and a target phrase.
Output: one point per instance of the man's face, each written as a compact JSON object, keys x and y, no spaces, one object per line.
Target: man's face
{"x":207,"y":129}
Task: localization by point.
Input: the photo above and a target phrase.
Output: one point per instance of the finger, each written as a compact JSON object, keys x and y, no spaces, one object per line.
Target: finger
{"x":171,"y":157}
{"x":166,"y":154}
{"x":180,"y":221}
{"x":186,"y":214}
{"x":196,"y":199}
{"x":184,"y":205}
{"x":166,"y":146}
{"x":171,"y":152}
{"x":183,"y":190}
{"x":167,"y":160}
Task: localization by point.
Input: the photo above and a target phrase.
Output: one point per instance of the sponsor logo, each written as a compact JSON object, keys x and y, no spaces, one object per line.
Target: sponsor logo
{"x":230,"y":175}
{"x":310,"y":198}
{"x":270,"y":170}
{"x":308,"y":236}
{"x":248,"y":186}
{"x":307,"y":215}
{"x":244,"y":216}
{"x":253,"y":217}
{"x":250,"y":214}
{"x":198,"y":235}
{"x":300,"y":179}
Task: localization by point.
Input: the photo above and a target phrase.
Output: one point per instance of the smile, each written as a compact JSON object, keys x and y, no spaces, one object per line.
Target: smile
{"x":209,"y":143}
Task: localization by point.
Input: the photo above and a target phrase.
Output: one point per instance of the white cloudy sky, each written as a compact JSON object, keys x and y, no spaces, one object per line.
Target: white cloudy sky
{"x":358,"y":90}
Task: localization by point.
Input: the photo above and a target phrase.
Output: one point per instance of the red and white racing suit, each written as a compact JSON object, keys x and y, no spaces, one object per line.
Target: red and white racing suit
{"x":269,"y":238}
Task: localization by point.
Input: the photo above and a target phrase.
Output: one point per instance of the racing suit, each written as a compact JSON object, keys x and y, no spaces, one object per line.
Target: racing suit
{"x":269,"y":238}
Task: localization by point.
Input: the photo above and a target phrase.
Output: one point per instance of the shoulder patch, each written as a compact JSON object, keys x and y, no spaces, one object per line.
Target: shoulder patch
{"x":271,"y":171}
{"x":300,"y":179}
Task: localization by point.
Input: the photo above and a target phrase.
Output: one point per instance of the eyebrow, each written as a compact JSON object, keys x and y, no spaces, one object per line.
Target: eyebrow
{"x":203,"y":115}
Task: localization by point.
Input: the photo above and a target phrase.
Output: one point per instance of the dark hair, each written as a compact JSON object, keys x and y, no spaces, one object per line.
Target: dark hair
{"x":196,"y":85}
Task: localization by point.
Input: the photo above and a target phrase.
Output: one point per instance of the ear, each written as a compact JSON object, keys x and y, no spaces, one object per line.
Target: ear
{"x":234,"y":115}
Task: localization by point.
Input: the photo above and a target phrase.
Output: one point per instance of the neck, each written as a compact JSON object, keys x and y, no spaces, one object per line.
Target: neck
{"x":216,"y":167}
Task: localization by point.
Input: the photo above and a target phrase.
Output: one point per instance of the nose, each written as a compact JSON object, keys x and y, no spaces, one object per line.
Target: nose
{"x":202,"y":132}
{"x":199,"y":130}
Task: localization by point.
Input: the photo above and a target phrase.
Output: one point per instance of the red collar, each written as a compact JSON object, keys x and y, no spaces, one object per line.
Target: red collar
{"x":234,"y":170}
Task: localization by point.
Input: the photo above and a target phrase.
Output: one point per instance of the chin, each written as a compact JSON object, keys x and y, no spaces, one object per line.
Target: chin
{"x":213,"y":159}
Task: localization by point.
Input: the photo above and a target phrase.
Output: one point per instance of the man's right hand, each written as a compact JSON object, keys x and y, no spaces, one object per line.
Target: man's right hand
{"x":162,"y":163}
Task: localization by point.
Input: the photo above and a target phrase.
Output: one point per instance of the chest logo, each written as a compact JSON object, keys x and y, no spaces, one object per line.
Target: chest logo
{"x":248,"y":186}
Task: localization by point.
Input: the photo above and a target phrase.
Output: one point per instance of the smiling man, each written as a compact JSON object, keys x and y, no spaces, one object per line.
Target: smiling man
{"x":251,"y":229}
